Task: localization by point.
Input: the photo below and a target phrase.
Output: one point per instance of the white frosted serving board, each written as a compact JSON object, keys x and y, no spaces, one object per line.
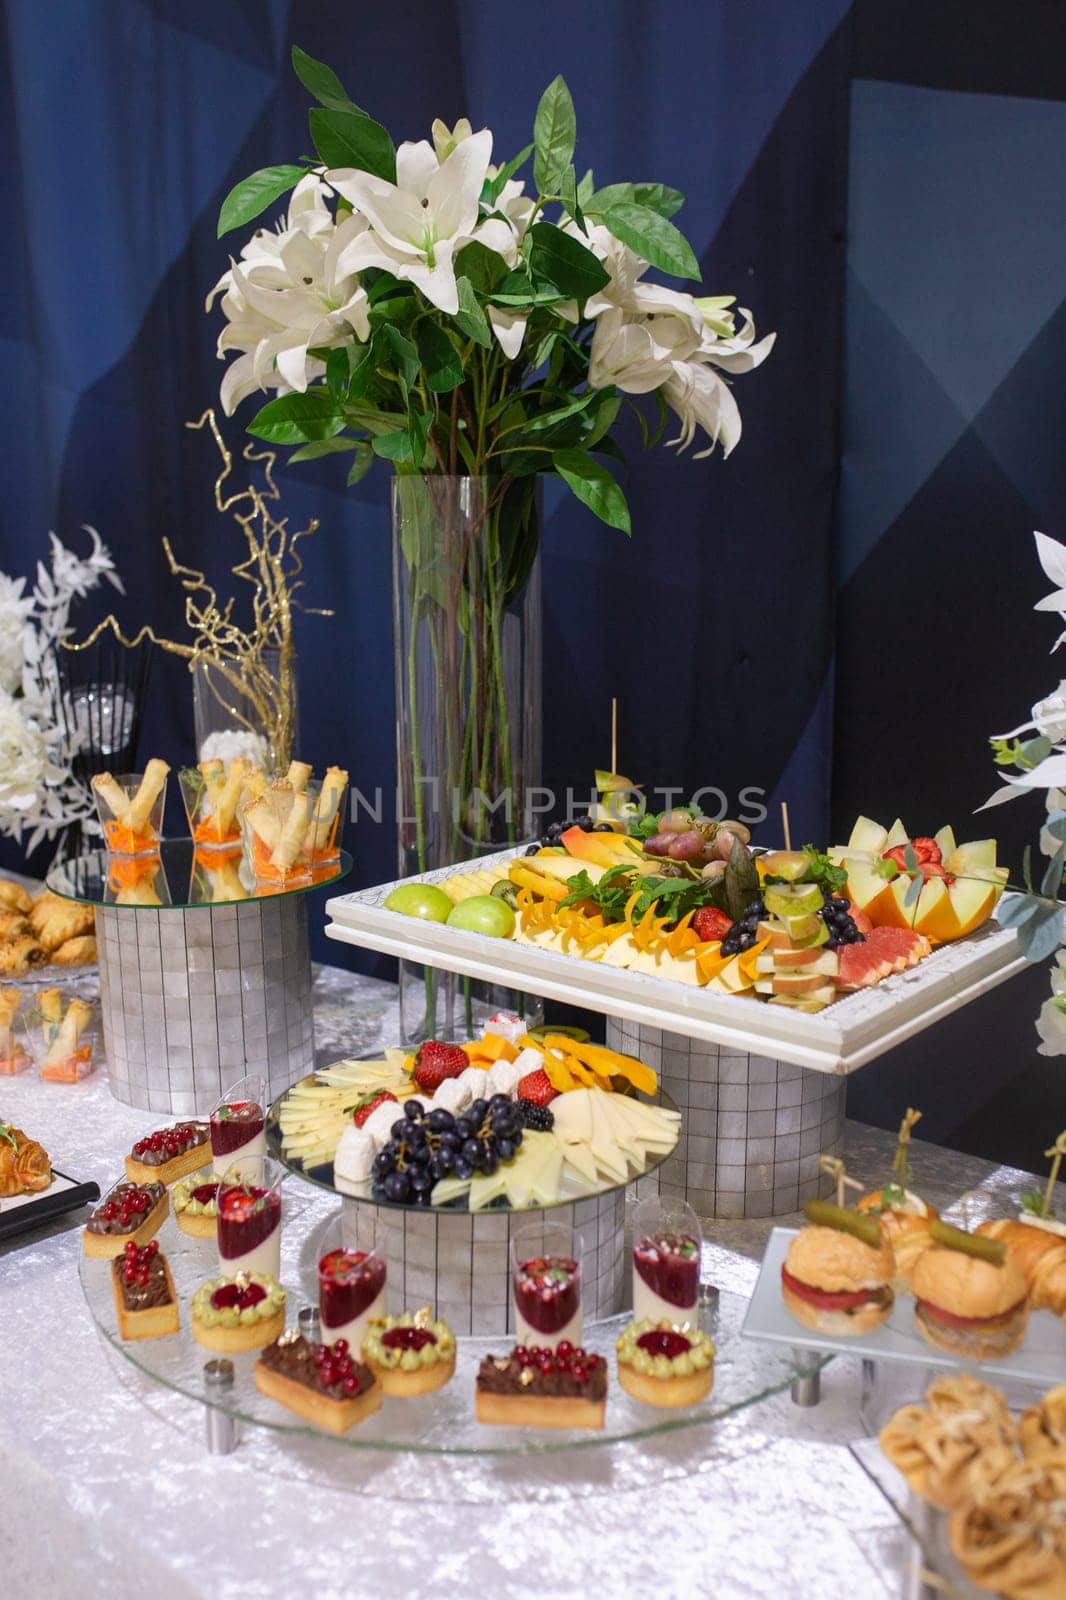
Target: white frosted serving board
{"x":845,"y":1036}
{"x":1040,"y":1359}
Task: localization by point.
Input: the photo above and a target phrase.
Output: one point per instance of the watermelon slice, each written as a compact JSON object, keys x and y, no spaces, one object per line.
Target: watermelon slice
{"x":884,"y":951}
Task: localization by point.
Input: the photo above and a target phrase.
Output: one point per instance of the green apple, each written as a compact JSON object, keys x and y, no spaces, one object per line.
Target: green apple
{"x":787,"y":864}
{"x":483,"y":913}
{"x":792,"y":899}
{"x":423,"y":900}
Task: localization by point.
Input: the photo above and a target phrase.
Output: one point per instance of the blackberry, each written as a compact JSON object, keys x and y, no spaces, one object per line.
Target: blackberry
{"x":539,"y":1118}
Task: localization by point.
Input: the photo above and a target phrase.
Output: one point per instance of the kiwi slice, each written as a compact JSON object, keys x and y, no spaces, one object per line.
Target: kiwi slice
{"x":504,"y":889}
{"x":860,"y":1226}
{"x":970,"y":1244}
{"x":579,"y":1035}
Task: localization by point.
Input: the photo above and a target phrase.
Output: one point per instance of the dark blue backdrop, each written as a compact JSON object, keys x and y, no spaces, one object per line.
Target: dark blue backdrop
{"x":848,"y":658}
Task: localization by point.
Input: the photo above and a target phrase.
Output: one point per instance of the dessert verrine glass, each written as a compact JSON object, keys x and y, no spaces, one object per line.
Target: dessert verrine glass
{"x":238,"y":1121}
{"x":351,"y":1293}
{"x":125,"y":836}
{"x":249,"y":1216}
{"x":546,"y":1285}
{"x":667,"y":1246}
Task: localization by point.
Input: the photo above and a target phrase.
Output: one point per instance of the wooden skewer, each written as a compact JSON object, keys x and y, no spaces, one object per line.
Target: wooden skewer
{"x":834,"y":1168}
{"x":900,"y":1165}
{"x":784,"y":824}
{"x":1055,"y":1154}
{"x":614,"y":733}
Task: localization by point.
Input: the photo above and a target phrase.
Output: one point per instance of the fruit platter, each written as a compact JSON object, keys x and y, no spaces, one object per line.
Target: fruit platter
{"x":508,"y":1121}
{"x":825,"y":958}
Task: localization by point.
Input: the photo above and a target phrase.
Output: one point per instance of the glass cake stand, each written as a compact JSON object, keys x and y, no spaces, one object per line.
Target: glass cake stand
{"x":205,"y":975}
{"x":442,"y":1424}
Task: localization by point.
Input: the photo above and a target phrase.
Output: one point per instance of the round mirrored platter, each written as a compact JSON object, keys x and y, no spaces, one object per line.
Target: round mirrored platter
{"x":180,"y":876}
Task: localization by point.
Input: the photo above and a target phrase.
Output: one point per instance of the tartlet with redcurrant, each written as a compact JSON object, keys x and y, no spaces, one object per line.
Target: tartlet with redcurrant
{"x":130,"y":1211}
{"x":665,"y":1363}
{"x":537,"y":1388}
{"x":146,"y":1303}
{"x":320,"y":1382}
{"x":195,"y":1202}
{"x":245,"y":1312}
{"x":411,"y":1354}
{"x":170,"y":1153}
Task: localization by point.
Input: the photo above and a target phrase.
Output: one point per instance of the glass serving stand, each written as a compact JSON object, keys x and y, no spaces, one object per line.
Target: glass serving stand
{"x":205,"y":974}
{"x":442,"y":1424}
{"x":181,"y":876}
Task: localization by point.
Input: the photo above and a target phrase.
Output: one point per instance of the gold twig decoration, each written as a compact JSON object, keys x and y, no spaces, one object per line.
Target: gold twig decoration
{"x":235,"y":657}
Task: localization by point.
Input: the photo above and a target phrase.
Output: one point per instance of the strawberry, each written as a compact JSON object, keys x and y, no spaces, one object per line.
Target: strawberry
{"x":365,"y":1108}
{"x":710,"y":923}
{"x":436,"y":1061}
{"x":536,"y":1087}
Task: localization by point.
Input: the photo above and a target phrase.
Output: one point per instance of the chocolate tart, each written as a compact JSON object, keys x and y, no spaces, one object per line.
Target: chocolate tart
{"x":665,"y":1363}
{"x":534,"y":1388}
{"x":293,"y":1372}
{"x":227,"y":1328}
{"x":411,"y":1354}
{"x":194,"y":1152}
{"x":145,"y":1311}
{"x":103,"y":1238}
{"x":199,"y":1224}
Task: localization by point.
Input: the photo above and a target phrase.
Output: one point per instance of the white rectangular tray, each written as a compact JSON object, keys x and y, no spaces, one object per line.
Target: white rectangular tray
{"x":1040,"y":1360}
{"x":845,"y":1036}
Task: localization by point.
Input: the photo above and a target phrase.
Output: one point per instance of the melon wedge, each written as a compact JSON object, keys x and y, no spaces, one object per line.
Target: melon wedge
{"x":933,"y":914}
{"x":897,"y":834}
{"x":868,"y":837}
{"x":606,"y":849}
{"x":973,"y":901}
{"x":975,"y":860}
{"x":869,"y":891}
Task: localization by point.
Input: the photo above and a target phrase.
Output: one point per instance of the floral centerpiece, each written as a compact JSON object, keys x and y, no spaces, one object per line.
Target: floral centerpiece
{"x":478,"y":325}
{"x":39,"y":737}
{"x":1032,"y":757}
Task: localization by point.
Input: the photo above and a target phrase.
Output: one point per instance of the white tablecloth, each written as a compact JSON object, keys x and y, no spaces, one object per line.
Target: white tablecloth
{"x":106,"y":1488}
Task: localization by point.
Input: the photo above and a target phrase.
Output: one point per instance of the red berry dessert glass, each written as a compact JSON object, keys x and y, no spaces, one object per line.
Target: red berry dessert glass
{"x":351,"y":1293}
{"x":238,"y":1122}
{"x":249,"y":1217}
{"x":546,"y":1285}
{"x":667,"y":1246}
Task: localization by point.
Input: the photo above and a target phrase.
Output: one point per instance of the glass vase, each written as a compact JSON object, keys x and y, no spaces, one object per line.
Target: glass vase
{"x":467,"y":628}
{"x":235,"y":717}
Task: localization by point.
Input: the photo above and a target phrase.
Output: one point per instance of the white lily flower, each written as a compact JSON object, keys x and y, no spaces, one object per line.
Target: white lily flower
{"x":638,"y":354}
{"x":445,"y":139}
{"x":288,"y":293}
{"x":509,"y":326}
{"x":418,"y":223}
{"x":736,"y":352}
{"x":1051,"y":1022}
{"x":702,"y":400}
{"x":1055,"y":801}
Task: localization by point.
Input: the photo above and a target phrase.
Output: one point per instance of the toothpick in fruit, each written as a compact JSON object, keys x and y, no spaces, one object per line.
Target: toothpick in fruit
{"x":900,"y":1164}
{"x":614,"y":733}
{"x":784,"y":825}
{"x":1054,"y":1155}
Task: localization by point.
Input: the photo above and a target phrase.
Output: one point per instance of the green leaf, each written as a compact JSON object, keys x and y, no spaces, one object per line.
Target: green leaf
{"x":1056,"y":825}
{"x":485,"y":269}
{"x":653,"y":237}
{"x":441,"y":361}
{"x":337,"y":372}
{"x":565,"y":262}
{"x":352,"y":139}
{"x":586,"y":189}
{"x":594,"y":487}
{"x":364,"y":460}
{"x":656,"y":196}
{"x":470,"y":318}
{"x":1041,"y":935}
{"x":610,"y":405}
{"x":403,"y":351}
{"x":322,"y":447}
{"x":554,"y":136}
{"x":1053,"y":876}
{"x":322,"y":82}
{"x":568,"y":194}
{"x":393,"y":446}
{"x":253,"y":194}
{"x":298,"y":418}
{"x":507,"y":172}
{"x":913,"y":892}
{"x":1018,"y":909}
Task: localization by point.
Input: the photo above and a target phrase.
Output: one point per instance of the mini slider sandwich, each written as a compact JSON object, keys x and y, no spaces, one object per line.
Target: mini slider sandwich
{"x":971,"y":1296}
{"x":837,"y":1276}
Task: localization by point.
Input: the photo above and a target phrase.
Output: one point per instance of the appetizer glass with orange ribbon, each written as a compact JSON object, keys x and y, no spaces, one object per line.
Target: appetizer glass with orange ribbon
{"x":322,"y":843}
{"x":212,"y":792}
{"x":137,"y":881}
{"x":13,"y":1054}
{"x":130,"y":808}
{"x":62,"y":1032}
{"x":275,"y":825}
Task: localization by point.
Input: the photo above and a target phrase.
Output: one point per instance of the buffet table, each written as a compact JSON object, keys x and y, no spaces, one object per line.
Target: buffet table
{"x":106,"y":1487}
